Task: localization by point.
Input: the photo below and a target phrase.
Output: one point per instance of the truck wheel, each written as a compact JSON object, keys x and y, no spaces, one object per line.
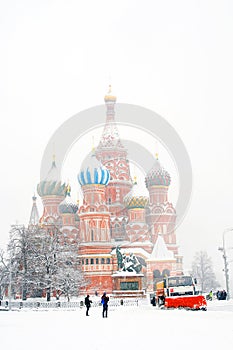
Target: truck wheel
{"x":204,"y":308}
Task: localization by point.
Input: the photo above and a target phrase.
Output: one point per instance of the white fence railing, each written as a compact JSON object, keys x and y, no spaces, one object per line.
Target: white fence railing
{"x":15,"y":304}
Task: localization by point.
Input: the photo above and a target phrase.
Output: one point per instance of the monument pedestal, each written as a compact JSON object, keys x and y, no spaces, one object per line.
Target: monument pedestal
{"x":127,"y":284}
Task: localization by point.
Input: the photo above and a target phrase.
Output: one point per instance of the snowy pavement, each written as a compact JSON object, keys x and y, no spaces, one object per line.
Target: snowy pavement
{"x":139,"y":327}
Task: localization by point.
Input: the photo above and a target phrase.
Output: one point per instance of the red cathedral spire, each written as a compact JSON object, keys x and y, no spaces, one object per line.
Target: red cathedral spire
{"x":113,"y":155}
{"x":110,"y":140}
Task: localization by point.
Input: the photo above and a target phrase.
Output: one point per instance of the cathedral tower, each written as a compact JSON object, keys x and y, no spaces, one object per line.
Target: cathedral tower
{"x":136,"y":228}
{"x":52,"y":192}
{"x":161,"y":215}
{"x":94,"y":214}
{"x":67,"y":210}
{"x":95,"y":235}
{"x":113,"y":155}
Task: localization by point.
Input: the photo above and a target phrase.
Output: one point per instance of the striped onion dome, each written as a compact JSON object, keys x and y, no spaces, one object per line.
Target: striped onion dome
{"x":94,"y":173}
{"x":50,"y":186}
{"x":67,"y":206}
{"x":157,"y":176}
{"x":134,"y":199}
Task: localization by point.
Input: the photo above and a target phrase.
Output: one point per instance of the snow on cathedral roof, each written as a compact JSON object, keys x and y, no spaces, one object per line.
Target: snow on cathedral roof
{"x":160,"y":251}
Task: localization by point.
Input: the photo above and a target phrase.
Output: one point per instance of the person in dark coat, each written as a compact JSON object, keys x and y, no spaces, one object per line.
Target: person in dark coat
{"x":87,"y":302}
{"x":104,"y":302}
{"x":224,"y":295}
{"x":153,"y":301}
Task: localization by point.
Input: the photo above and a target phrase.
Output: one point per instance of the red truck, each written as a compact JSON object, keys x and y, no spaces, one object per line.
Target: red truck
{"x":179,"y":292}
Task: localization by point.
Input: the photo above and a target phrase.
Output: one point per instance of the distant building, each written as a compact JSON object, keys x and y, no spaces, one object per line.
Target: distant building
{"x":114,"y":214}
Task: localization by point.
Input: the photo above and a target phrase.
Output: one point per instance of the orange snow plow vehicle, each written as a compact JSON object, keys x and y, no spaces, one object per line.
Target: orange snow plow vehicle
{"x":179,"y":292}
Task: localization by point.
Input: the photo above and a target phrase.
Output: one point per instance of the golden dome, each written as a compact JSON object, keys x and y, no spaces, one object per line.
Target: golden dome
{"x":136,"y":202}
{"x":109,"y":96}
{"x":134,"y":199}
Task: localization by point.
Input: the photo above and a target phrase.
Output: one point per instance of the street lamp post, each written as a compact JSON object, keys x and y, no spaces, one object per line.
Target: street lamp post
{"x":9,"y":291}
{"x":226,"y":270}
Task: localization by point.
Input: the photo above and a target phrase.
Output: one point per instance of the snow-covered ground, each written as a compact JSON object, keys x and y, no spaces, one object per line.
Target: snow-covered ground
{"x":128,"y":327}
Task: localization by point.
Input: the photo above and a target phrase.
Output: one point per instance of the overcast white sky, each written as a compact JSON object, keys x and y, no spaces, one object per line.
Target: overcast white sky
{"x":173,"y":57}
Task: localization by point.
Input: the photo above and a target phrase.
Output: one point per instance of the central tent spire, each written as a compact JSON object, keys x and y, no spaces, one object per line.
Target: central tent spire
{"x":110,"y":138}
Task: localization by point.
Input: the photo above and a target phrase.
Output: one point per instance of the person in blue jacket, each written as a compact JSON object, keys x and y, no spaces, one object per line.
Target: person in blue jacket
{"x":104,"y":302}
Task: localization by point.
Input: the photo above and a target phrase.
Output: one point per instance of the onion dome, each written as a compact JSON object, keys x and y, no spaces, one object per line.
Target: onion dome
{"x":134,"y":199}
{"x":51,"y":186}
{"x":67,"y":206}
{"x":157,"y":176}
{"x":94,"y":173}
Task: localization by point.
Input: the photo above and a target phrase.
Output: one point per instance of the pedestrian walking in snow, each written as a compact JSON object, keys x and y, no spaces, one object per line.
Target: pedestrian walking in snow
{"x":104,"y":302}
{"x":87,"y":302}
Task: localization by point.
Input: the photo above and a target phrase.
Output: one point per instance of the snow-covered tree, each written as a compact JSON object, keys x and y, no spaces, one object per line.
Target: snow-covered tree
{"x":57,"y":263}
{"x":202,"y":269}
{"x":69,"y":278}
{"x":68,"y":282}
{"x":21,"y":260}
{"x":41,"y":260}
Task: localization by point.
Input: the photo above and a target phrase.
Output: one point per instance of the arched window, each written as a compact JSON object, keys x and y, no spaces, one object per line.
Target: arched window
{"x":103,"y":224}
{"x":166,"y":273}
{"x":102,"y":261}
{"x":156,"y":278}
{"x":156,"y":274}
{"x":92,"y":261}
{"x":108,"y":260}
{"x":117,"y":228}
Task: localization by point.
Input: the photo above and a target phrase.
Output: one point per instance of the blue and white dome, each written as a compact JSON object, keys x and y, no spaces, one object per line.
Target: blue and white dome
{"x":94,"y":173}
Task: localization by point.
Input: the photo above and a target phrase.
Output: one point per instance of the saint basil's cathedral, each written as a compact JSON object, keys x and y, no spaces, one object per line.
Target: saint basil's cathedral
{"x":114,"y":216}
